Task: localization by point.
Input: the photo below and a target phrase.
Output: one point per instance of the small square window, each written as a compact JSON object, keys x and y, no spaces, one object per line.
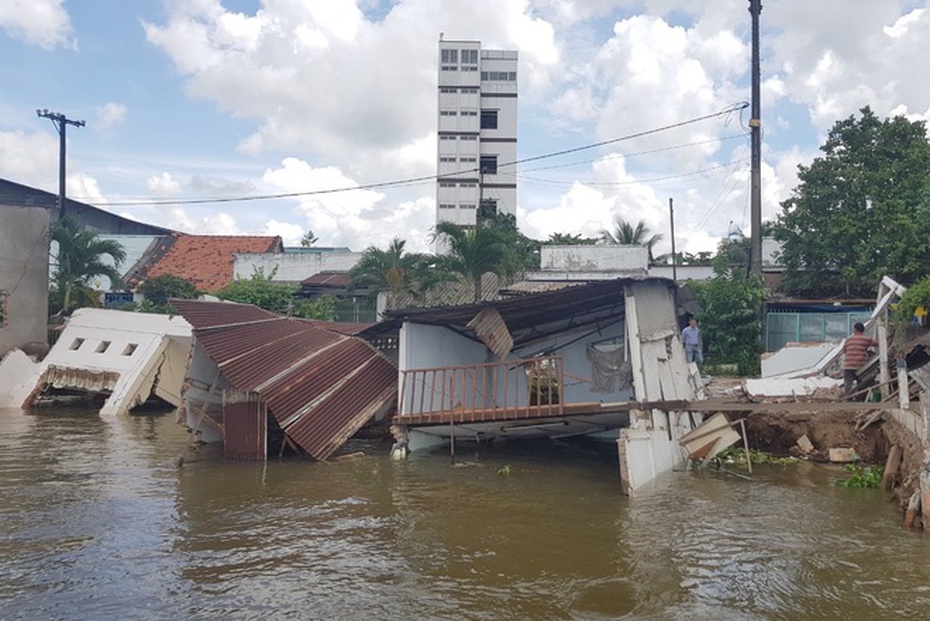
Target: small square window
{"x":489,"y":119}
{"x":76,"y":344}
{"x":102,"y":347}
{"x":130,"y":349}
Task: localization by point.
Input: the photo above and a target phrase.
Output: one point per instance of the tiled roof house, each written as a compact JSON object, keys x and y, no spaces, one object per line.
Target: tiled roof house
{"x":204,"y":260}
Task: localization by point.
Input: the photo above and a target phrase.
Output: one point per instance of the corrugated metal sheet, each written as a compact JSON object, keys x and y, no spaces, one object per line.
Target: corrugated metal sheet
{"x":245,"y":421}
{"x":80,"y":379}
{"x":298,"y":369}
{"x":489,"y":327}
{"x":330,"y":279}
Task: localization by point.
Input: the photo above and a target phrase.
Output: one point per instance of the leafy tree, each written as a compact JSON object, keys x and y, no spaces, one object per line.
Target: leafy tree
{"x":731,"y":318}
{"x":393,"y":270}
{"x":323,"y":308}
{"x":308,"y":239}
{"x":625,"y":234}
{"x":562,"y":239}
{"x":80,"y":258}
{"x":472,"y":253}
{"x":260,"y":290}
{"x":158,"y":290}
{"x":522,"y":253}
{"x":861,"y":210}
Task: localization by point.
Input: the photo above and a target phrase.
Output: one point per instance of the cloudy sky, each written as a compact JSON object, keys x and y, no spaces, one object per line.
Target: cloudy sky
{"x":192,"y":104}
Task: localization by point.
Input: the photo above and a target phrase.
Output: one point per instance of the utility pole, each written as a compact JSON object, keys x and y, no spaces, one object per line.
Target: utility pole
{"x":61,"y":122}
{"x":755,"y":125}
{"x":671,"y":219}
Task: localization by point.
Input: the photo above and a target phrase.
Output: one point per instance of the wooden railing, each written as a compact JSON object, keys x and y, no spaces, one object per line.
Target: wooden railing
{"x":519,"y":388}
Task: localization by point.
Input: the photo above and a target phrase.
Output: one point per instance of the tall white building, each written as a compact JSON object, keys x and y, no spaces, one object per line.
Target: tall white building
{"x":477,"y":132}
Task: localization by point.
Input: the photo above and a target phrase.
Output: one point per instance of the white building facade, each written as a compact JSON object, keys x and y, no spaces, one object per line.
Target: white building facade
{"x":477,"y":132}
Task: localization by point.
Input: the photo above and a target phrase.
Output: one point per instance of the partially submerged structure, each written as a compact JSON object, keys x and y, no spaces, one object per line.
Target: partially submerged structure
{"x":603,"y":359}
{"x":258,"y":381}
{"x":125,"y":358}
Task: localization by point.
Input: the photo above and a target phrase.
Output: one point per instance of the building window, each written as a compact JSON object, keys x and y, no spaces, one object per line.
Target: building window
{"x":468,"y":159}
{"x":447,"y":137}
{"x":469,"y":57}
{"x":467,"y":185}
{"x":130,"y":349}
{"x":469,"y":137}
{"x":489,"y":119}
{"x":469,"y":113}
{"x":102,"y":347}
{"x":447,"y":184}
{"x":449,"y":56}
{"x":445,"y":89}
{"x":467,"y":206}
{"x":449,"y":68}
{"x":499,"y":76}
{"x":469,"y":67}
{"x":76,"y":344}
{"x":470,"y":90}
{"x":448,"y":113}
{"x":447,"y":159}
{"x":446,"y":205}
{"x":489,"y":164}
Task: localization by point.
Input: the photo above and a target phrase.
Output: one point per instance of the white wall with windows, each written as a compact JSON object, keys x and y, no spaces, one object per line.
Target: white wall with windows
{"x":477,"y":131}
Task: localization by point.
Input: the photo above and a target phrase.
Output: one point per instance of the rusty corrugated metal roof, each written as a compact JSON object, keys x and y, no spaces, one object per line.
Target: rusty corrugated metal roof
{"x":328,"y":279}
{"x":320,"y":386}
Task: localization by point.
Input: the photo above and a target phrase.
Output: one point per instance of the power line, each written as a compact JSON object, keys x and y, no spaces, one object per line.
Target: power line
{"x":431,"y":178}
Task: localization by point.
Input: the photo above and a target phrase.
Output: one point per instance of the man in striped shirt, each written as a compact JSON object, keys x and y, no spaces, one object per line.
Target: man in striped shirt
{"x":855,"y":353}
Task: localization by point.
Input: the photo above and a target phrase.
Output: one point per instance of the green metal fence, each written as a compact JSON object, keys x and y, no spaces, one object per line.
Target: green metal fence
{"x":785,"y":327}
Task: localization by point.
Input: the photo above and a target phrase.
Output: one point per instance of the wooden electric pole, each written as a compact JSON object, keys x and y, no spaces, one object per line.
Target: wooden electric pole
{"x":755,"y":125}
{"x":61,"y":122}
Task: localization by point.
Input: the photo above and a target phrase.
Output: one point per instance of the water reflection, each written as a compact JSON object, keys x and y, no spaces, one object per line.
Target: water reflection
{"x":100,"y":522}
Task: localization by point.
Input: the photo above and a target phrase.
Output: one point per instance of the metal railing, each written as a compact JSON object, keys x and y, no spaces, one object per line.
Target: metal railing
{"x":518,"y":388}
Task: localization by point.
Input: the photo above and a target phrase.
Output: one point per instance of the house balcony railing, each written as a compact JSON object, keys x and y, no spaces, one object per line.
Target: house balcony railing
{"x":520,"y":388}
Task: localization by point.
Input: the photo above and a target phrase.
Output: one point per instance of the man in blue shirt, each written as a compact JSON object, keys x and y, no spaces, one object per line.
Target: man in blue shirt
{"x":691,"y":339}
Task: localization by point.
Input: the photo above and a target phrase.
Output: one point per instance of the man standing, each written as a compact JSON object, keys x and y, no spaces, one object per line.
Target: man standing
{"x":855,"y":353}
{"x":691,"y":339}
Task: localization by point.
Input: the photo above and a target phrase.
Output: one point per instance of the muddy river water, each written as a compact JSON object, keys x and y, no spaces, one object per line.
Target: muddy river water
{"x":98,"y":521}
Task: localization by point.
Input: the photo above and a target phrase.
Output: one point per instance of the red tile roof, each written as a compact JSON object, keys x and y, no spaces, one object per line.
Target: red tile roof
{"x":205,"y":260}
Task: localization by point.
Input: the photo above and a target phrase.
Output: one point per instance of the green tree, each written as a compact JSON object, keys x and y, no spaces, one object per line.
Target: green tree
{"x":308,"y":239}
{"x":80,"y":258}
{"x":323,"y":308}
{"x":731,"y":318}
{"x":393,"y":270}
{"x":260,"y":290}
{"x":522,"y":253}
{"x":472,"y":253}
{"x":563,"y":239}
{"x":158,"y":290}
{"x":625,"y":234}
{"x":860,"y":211}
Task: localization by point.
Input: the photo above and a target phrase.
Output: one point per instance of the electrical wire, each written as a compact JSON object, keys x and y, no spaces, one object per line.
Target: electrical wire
{"x":429,"y":178}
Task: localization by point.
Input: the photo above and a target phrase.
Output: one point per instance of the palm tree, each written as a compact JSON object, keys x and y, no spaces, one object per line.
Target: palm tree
{"x":472,"y":253}
{"x":80,"y":258}
{"x":392,"y":270}
{"x":625,"y":234}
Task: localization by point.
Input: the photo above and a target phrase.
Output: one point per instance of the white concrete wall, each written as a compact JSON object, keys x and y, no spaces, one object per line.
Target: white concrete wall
{"x":572,"y":346}
{"x":293,"y":267}
{"x":435,"y":347}
{"x":24,"y":244}
{"x":624,"y":259}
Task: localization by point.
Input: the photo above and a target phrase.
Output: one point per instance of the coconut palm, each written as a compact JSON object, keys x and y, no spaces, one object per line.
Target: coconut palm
{"x":392,"y":270}
{"x":472,"y":253}
{"x":80,"y":258}
{"x":625,"y":234}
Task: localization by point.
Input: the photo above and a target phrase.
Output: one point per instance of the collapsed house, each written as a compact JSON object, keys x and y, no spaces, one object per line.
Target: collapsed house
{"x":602,"y":359}
{"x":125,"y":358}
{"x":256,"y":377}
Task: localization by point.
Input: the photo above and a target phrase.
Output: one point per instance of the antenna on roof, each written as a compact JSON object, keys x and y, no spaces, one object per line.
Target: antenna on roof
{"x":440,"y":35}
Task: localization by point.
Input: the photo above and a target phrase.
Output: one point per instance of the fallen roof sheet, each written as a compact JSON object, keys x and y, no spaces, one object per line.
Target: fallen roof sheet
{"x":321,"y":386}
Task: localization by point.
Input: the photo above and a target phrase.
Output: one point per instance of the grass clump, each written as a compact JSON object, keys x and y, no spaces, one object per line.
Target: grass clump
{"x":862,"y":477}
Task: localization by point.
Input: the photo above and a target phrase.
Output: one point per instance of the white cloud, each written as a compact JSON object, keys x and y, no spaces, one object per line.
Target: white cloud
{"x":39,"y":22}
{"x":111,"y":114}
{"x":40,"y":169}
{"x":163,"y":185}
